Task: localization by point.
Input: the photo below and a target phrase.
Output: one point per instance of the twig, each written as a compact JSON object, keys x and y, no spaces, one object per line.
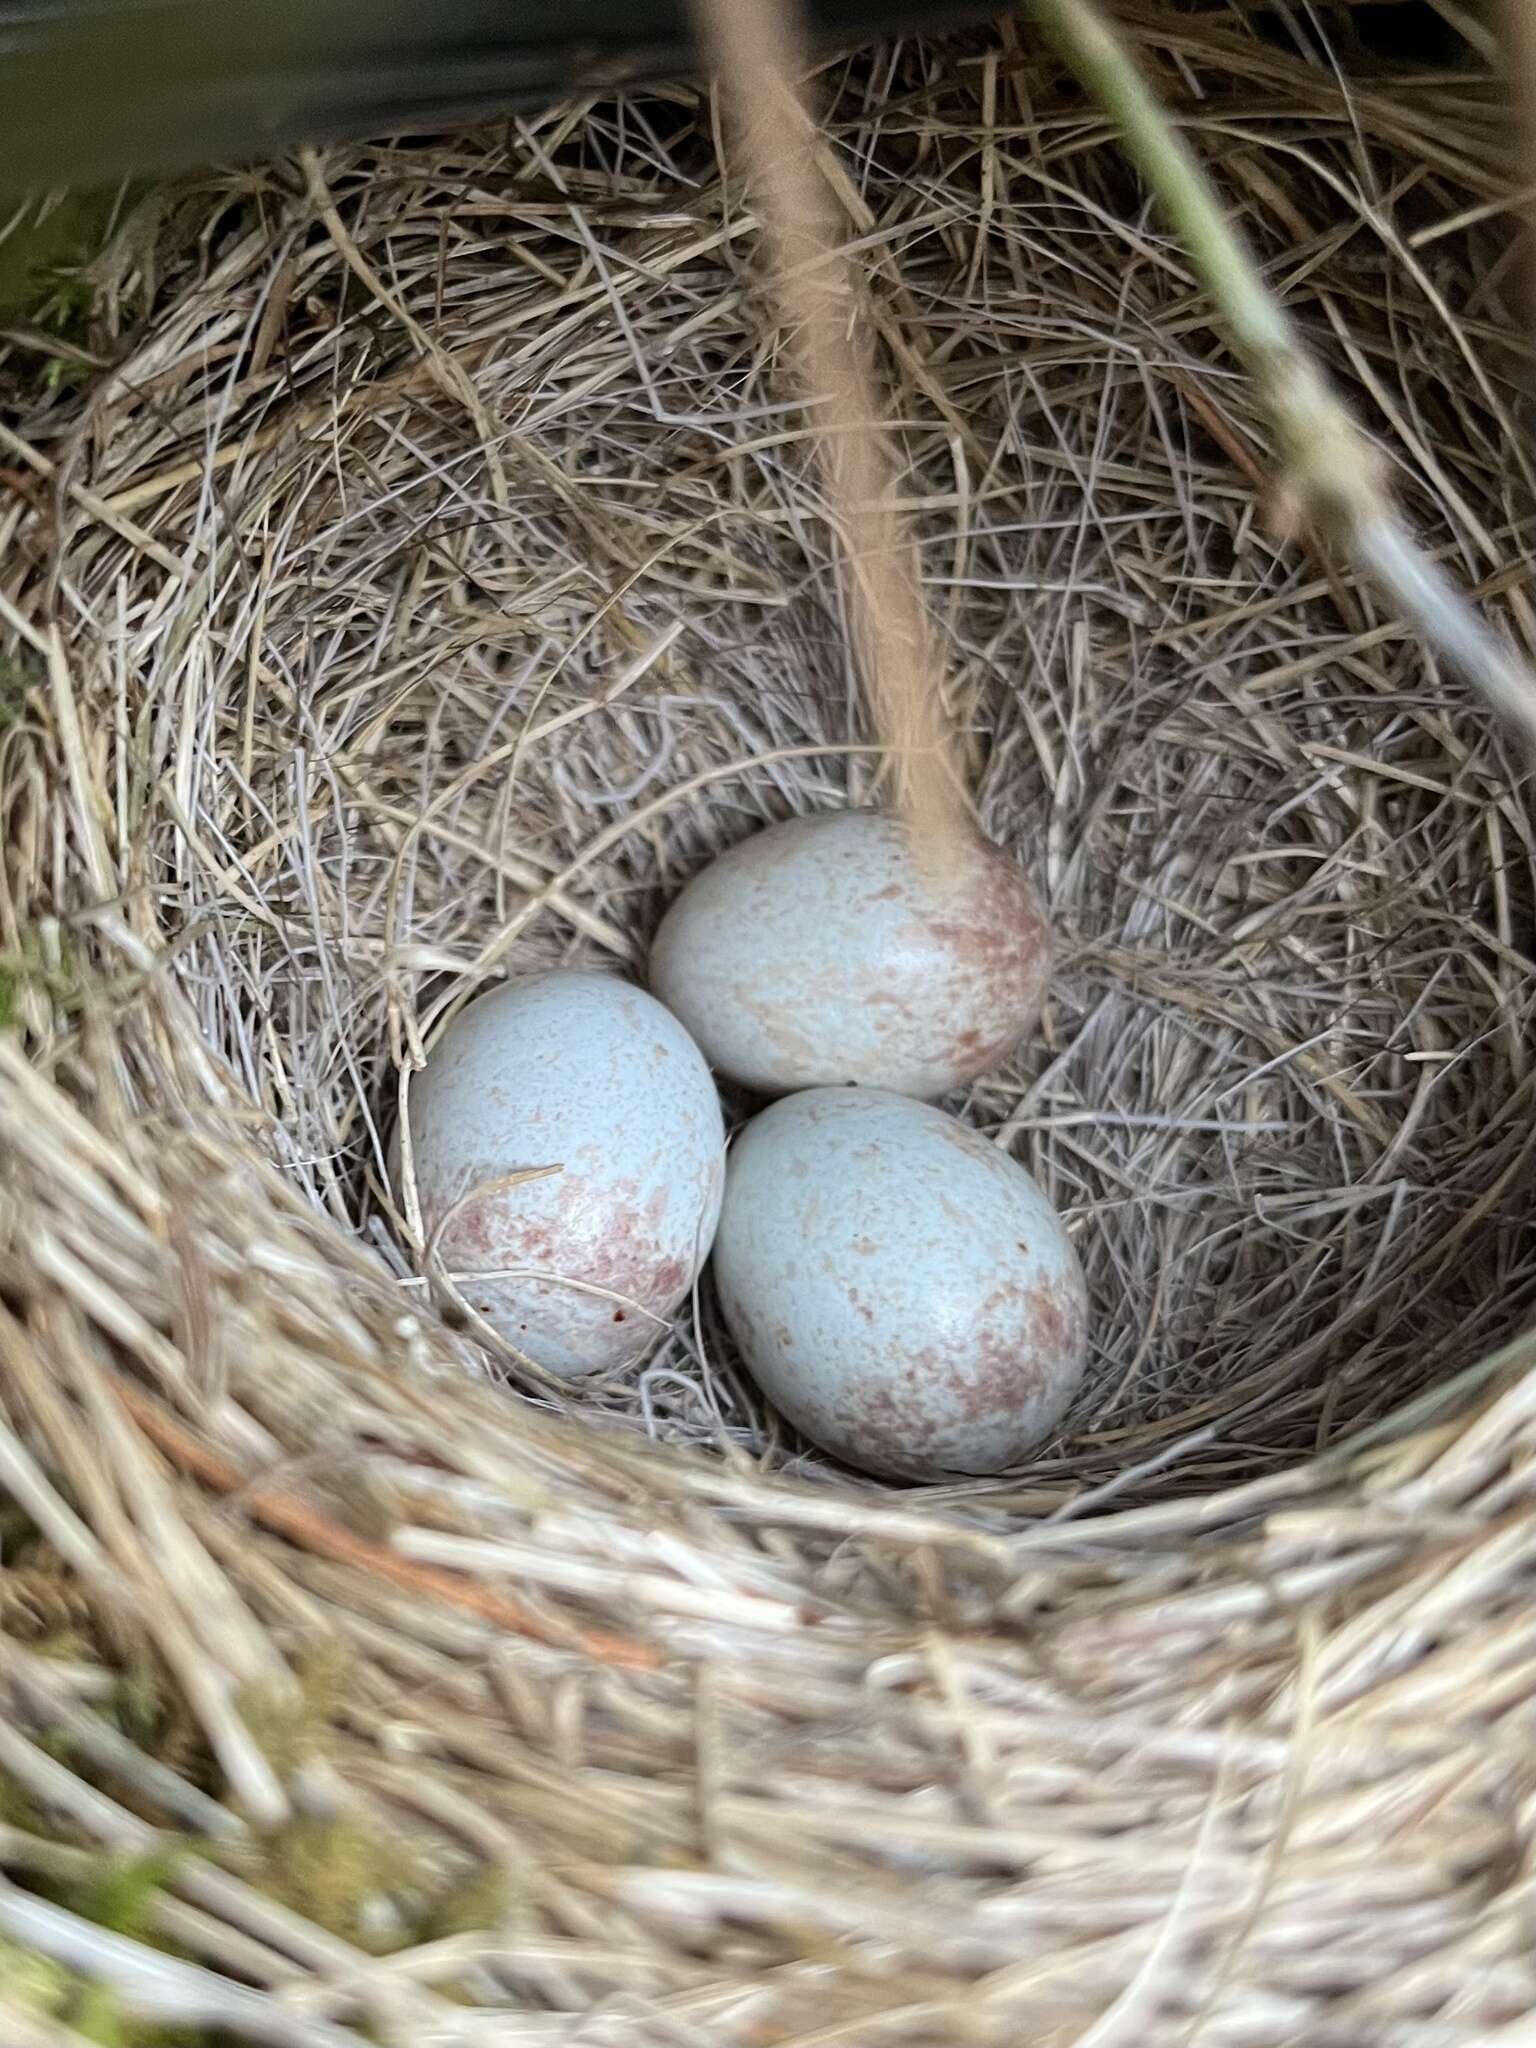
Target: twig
{"x":821,"y":296}
{"x":311,"y":1530}
{"x":1330,"y":473}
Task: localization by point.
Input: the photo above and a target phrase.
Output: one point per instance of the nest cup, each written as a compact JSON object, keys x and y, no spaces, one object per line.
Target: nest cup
{"x":429,"y":580}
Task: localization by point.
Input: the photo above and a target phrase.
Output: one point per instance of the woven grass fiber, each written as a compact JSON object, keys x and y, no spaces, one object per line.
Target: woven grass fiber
{"x":413,"y":571}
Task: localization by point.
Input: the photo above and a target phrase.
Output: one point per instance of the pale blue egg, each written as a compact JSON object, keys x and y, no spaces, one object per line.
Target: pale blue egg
{"x":902,"y":1290}
{"x":569,"y":1156}
{"x":825,"y":950}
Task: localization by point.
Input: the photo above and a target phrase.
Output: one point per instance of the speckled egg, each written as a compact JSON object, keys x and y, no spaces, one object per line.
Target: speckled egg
{"x":824,"y":950}
{"x":901,"y":1290}
{"x":569,"y":1157}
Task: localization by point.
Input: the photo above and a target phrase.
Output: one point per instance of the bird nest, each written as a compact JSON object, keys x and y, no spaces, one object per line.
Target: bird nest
{"x":414,"y":574}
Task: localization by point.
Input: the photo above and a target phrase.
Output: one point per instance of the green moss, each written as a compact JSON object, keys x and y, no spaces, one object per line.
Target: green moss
{"x":58,"y":1743}
{"x":121,"y":1893}
{"x":44,"y":963}
{"x":479,"y":1901}
{"x":119,"y":1897}
{"x":358,"y":1877}
{"x":295,"y":1727}
{"x":372,"y":1887}
{"x":18,"y":1810}
{"x":18,"y":675}
{"x":43,"y":256}
{"x":147,"y":1707}
{"x":96,"y":2014}
{"x":33,"y":1982}
{"x":138,"y":1704}
{"x":58,"y":233}
{"x":340,"y":1873}
{"x":92,"y":2011}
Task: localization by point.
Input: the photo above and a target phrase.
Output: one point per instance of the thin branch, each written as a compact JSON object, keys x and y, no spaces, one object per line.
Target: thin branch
{"x":306,"y":1526}
{"x":1330,"y":473}
{"x":823,"y":301}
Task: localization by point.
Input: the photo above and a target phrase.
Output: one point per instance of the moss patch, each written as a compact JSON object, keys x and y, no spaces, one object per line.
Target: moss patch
{"x":43,"y":965}
{"x":43,"y":255}
{"x":92,"y":2011}
{"x":344,"y":1875}
{"x":18,"y":675}
{"x":121,"y":1893}
{"x":290,"y":1730}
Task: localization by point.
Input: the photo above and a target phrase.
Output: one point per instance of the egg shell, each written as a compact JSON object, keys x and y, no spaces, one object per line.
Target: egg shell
{"x":901,"y":1289}
{"x":824,"y":950}
{"x":581,"y":1268}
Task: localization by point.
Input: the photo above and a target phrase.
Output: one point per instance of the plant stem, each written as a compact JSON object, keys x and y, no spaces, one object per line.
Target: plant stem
{"x":822,"y":300}
{"x":1330,"y":472}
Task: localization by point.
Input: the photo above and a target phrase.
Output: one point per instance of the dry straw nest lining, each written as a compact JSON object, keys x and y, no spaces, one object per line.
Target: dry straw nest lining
{"x":432,"y":582}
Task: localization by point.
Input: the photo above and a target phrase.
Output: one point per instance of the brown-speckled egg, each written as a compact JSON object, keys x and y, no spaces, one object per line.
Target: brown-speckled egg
{"x":568,"y":1152}
{"x":901,"y":1289}
{"x":823,"y":950}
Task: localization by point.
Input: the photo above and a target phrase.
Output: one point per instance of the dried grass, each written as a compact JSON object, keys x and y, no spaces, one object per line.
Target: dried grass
{"x":433,"y":583}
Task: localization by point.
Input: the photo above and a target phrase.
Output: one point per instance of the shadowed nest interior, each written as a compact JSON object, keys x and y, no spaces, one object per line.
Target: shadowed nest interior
{"x":428,"y":579}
